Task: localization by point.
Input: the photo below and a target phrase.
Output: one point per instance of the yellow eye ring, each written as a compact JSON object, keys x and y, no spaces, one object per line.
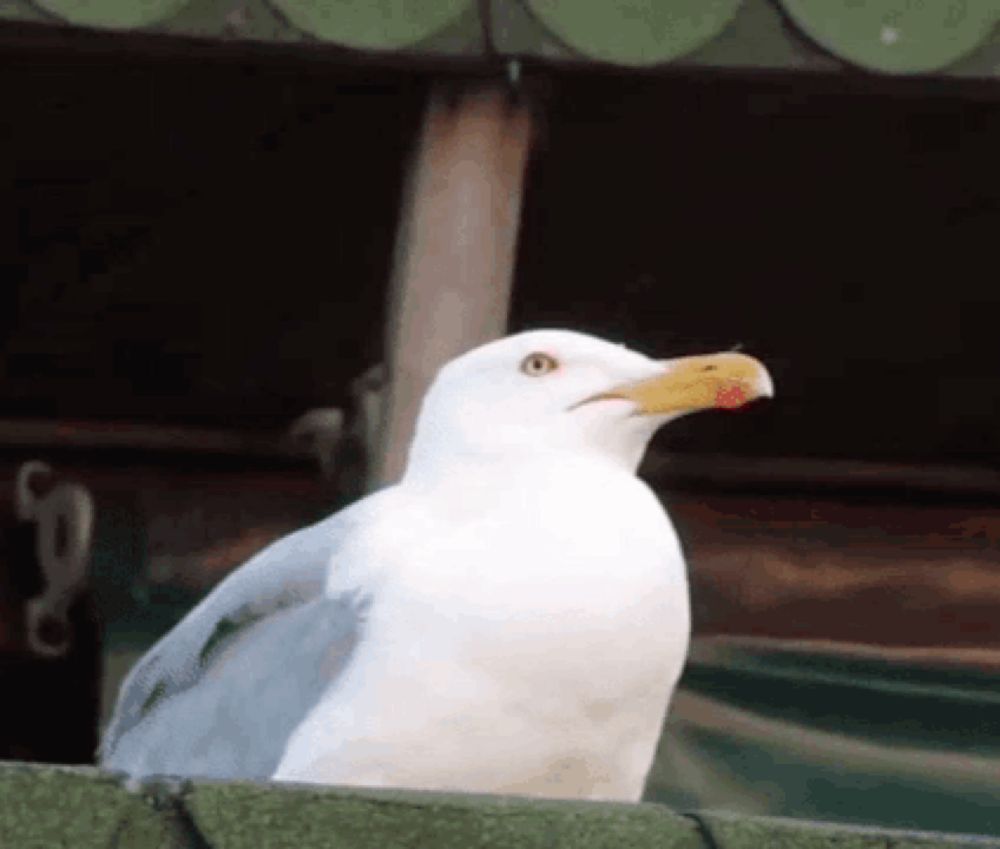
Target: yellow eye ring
{"x":538,"y":364}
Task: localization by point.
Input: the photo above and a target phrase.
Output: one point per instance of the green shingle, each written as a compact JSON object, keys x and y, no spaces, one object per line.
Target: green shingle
{"x":636,"y":32}
{"x":897,"y":36}
{"x":371,"y":24}
{"x":113,"y":14}
{"x":950,"y":37}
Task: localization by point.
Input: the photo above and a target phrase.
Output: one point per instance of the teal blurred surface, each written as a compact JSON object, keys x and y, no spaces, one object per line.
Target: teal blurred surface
{"x":847,"y":734}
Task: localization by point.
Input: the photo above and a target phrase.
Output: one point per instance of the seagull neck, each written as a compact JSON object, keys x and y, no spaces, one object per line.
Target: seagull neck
{"x":433,"y":475}
{"x":483,"y":472}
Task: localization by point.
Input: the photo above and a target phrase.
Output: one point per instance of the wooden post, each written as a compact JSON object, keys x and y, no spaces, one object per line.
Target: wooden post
{"x":455,"y":249}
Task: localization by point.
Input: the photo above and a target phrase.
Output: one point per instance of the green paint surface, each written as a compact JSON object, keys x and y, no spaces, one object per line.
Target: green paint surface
{"x":117,"y":14}
{"x":897,"y":36}
{"x":635,"y":32}
{"x":371,"y":24}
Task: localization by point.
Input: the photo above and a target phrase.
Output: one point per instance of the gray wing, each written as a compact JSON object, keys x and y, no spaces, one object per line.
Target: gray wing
{"x":220,"y":693}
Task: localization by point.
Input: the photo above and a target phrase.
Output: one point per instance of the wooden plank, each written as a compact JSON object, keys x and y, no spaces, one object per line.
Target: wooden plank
{"x":455,"y":249}
{"x":940,"y":657}
{"x":173,"y":439}
{"x":814,"y":566}
{"x":664,"y":470}
{"x":810,"y":475}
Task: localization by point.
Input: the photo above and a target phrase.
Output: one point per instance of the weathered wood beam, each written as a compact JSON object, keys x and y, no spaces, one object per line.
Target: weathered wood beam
{"x":665,"y":470}
{"x":45,"y":434}
{"x":815,"y":476}
{"x":455,"y":249}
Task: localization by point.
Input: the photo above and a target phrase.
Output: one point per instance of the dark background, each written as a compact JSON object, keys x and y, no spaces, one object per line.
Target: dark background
{"x":199,"y":241}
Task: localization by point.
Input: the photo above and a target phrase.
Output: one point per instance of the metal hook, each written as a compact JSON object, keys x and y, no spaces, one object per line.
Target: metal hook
{"x":25,"y":500}
{"x":65,"y":573}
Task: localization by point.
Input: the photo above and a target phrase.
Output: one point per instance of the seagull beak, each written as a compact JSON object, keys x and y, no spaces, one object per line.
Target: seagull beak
{"x":688,"y":384}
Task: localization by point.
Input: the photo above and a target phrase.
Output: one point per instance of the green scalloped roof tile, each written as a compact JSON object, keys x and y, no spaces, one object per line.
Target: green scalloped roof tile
{"x":112,"y":14}
{"x":897,"y":36}
{"x":635,"y":32}
{"x":21,"y":10}
{"x":240,"y":20}
{"x":371,"y":24}
{"x":462,"y":36}
{"x":758,"y":37}
{"x":984,"y":62}
{"x":518,"y":32}
{"x":891,"y":36}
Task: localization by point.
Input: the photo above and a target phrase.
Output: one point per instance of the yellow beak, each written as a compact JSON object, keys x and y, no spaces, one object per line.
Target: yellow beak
{"x":688,"y":384}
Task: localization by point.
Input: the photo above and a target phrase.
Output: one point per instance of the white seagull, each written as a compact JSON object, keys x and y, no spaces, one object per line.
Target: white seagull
{"x":511,"y":617}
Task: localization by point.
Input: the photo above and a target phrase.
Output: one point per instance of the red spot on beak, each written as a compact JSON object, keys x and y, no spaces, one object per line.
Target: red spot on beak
{"x":730,"y":397}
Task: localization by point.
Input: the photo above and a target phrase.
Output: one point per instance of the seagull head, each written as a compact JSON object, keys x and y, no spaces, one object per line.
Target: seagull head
{"x":557,"y":391}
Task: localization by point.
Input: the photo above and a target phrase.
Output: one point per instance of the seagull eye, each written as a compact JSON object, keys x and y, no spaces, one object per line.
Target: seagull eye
{"x":535,"y":365}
